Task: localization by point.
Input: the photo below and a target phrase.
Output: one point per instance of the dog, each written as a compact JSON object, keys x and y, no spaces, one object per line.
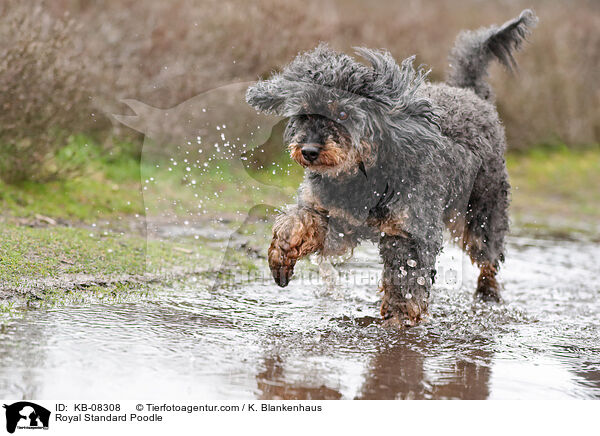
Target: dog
{"x":392,"y":158}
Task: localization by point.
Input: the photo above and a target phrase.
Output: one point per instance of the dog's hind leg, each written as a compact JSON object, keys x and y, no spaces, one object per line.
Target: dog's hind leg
{"x":485,"y":230}
{"x":298,"y":232}
{"x":408,"y":272}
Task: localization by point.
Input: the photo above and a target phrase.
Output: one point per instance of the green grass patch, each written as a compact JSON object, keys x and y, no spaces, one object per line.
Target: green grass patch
{"x":219,"y":191}
{"x":557,"y":187}
{"x":106,"y":184}
{"x":97,"y":184}
{"x":30,"y":254}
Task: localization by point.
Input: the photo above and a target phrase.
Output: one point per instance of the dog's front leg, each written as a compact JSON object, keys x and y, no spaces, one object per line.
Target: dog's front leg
{"x":408,"y":269}
{"x":297,"y":232}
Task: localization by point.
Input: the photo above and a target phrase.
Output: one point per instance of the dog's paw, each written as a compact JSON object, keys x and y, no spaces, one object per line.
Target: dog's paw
{"x":398,"y":322}
{"x":402,"y":314}
{"x":402,"y":320}
{"x":488,"y":294}
{"x":281,"y":261}
{"x":296,"y":234}
{"x":285,"y":250}
{"x":488,"y":288}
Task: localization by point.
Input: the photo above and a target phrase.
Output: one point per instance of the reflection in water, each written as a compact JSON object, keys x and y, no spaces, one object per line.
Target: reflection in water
{"x":272,"y":385}
{"x":396,"y":372}
{"x":252,"y":340}
{"x":28,"y":354}
{"x":400,"y":372}
{"x":590,"y":372}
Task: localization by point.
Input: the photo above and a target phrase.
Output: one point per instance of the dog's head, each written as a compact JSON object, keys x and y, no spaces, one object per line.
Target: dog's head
{"x":341,"y":110}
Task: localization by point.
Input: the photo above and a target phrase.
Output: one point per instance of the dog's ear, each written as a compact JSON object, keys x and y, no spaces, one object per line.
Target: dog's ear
{"x":267,"y":95}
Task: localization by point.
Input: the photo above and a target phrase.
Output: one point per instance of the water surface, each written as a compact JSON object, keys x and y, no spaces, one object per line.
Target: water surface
{"x":313,"y":340}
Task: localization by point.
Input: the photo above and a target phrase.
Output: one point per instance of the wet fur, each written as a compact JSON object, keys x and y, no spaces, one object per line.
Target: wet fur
{"x":411,"y":158}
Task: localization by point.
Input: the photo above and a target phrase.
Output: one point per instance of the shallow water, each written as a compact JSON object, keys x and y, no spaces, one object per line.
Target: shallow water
{"x":321,"y":339}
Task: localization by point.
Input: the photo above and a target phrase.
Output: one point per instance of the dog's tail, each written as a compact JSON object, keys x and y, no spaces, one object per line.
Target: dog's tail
{"x":474,"y":50}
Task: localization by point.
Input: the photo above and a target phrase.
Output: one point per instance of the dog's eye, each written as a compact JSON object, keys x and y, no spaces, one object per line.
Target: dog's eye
{"x":342,"y":116}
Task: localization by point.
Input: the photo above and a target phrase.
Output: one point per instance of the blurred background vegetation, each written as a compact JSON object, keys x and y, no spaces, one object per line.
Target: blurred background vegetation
{"x":65,"y":65}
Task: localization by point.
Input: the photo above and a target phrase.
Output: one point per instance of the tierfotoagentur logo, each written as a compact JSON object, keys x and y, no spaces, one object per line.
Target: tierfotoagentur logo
{"x":26,"y":415}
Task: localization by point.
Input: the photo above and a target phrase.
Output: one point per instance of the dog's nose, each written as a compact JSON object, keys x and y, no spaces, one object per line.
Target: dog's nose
{"x":310,"y":152}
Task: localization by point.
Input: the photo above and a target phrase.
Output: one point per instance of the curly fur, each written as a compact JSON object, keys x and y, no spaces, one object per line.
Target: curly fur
{"x":411,"y":158}
{"x":474,"y":50}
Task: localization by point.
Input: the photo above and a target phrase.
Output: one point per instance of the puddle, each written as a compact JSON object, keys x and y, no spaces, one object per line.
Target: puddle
{"x":248,"y":338}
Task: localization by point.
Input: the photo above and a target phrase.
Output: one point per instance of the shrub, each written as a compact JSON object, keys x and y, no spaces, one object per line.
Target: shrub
{"x":42,"y":90}
{"x":165,"y":52}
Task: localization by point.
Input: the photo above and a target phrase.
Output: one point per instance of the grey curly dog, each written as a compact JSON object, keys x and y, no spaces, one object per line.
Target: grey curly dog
{"x":394,"y":159}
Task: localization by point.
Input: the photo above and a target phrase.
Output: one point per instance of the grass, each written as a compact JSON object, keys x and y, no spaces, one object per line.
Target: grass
{"x":112,"y":186}
{"x":64,"y":265}
{"x":98,"y":185}
{"x":90,"y":251}
{"x":220,"y":191}
{"x":32,"y":254}
{"x":556,"y":190}
{"x":83,"y":199}
{"x":70,"y":237}
{"x":107,"y":187}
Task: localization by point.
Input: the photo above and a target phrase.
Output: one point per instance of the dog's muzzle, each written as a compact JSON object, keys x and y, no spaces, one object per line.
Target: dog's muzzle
{"x":310,"y":152}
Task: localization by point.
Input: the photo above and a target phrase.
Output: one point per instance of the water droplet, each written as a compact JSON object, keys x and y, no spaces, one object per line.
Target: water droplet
{"x":411,"y":262}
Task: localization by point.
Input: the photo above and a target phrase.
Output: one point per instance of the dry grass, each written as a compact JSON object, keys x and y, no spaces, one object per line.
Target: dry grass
{"x":165,"y":52}
{"x":42,"y":90}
